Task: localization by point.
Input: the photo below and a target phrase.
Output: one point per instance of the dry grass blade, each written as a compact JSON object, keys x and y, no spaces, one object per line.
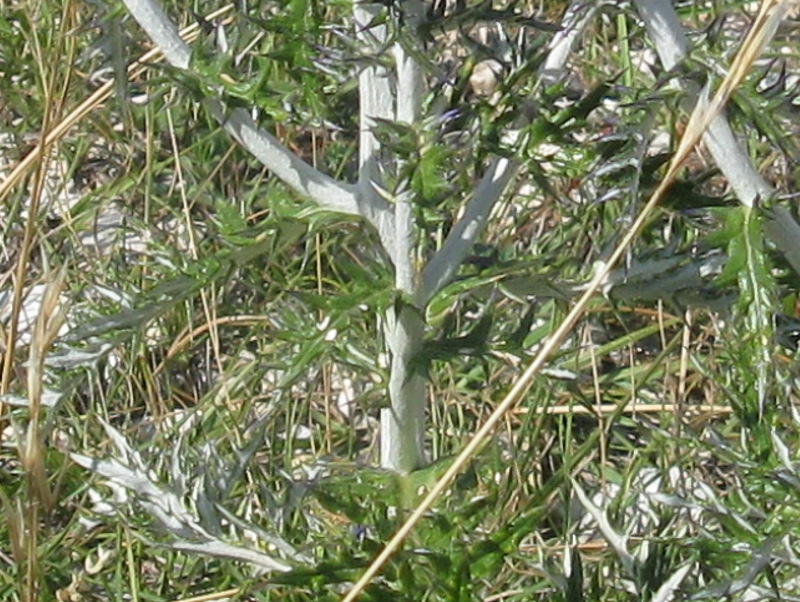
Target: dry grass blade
{"x":761,"y":32}
{"x":639,"y":408}
{"x":15,"y":522}
{"x":188,"y":335}
{"x":213,"y":597}
{"x":50,"y":319}
{"x":38,"y":497}
{"x":39,"y":156}
{"x":24,"y":517}
{"x":87,"y":106}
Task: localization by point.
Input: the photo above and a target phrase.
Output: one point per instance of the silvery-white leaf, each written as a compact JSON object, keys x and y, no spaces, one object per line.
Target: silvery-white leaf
{"x":664,"y":593}
{"x":49,"y":399}
{"x":207,"y":510}
{"x":725,"y":511}
{"x":223,"y":550}
{"x":674,"y":501}
{"x":761,"y":558}
{"x":114,"y":295}
{"x":782,"y":451}
{"x":729,"y":587}
{"x":100,"y":505}
{"x":76,"y":358}
{"x":162,"y":504}
{"x":617,"y":542}
{"x":270,"y":539}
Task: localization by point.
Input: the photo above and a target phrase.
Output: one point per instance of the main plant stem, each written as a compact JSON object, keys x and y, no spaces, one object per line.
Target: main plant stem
{"x":403,"y":423}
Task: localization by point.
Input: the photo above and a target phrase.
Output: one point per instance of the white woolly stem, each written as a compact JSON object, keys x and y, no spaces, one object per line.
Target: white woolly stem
{"x":403,"y":423}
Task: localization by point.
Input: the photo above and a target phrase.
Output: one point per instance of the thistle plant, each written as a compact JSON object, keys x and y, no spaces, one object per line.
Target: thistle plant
{"x":312,"y":214}
{"x":392,"y":83}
